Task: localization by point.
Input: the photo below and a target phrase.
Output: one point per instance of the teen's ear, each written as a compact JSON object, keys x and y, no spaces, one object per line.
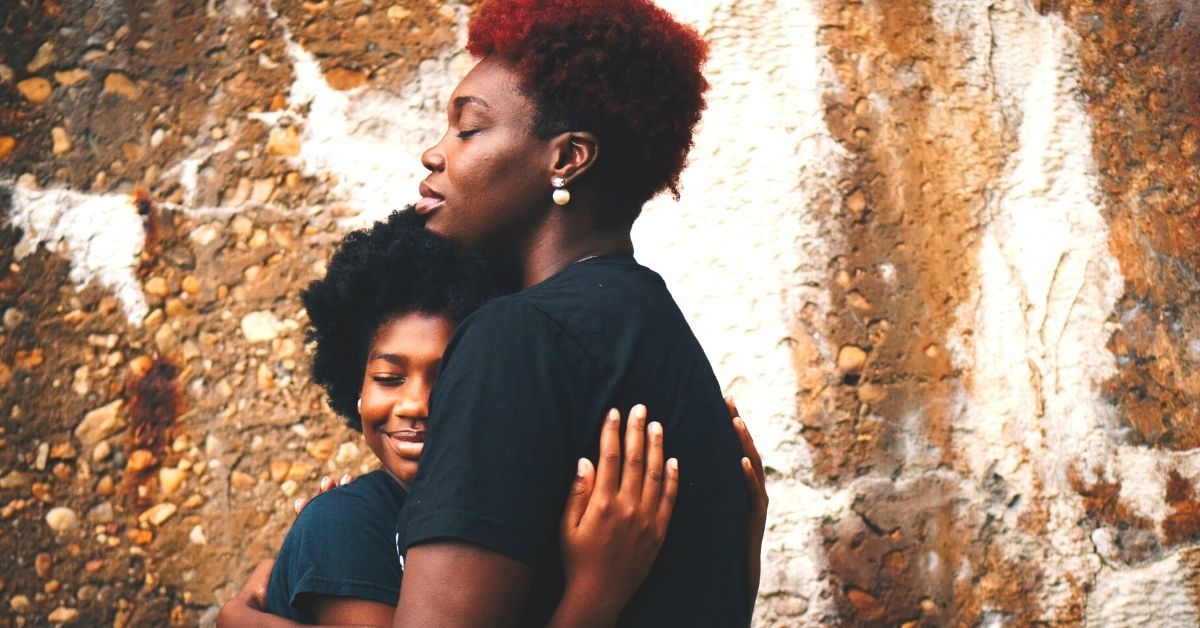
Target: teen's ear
{"x":575,"y":152}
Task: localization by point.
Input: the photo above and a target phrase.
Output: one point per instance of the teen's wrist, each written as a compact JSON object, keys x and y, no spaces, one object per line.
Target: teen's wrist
{"x":590,"y":606}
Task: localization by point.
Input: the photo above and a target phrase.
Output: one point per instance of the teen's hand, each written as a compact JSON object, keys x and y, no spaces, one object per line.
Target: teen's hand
{"x":616,"y":519}
{"x":327,"y":484}
{"x":756,"y":486}
{"x":246,"y":608}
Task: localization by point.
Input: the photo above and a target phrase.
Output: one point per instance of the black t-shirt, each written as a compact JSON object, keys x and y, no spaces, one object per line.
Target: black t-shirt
{"x":343,"y":544}
{"x":524,"y":387}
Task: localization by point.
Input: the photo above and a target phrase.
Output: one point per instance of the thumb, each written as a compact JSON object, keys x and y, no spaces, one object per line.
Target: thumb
{"x":581,"y":493}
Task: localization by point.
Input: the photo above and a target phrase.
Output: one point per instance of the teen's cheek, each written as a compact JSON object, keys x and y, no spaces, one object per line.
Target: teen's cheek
{"x":369,"y":409}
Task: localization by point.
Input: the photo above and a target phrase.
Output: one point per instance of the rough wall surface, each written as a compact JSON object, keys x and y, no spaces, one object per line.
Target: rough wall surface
{"x":943,"y":251}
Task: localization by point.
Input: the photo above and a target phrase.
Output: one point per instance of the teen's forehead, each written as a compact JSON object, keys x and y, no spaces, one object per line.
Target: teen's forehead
{"x":413,"y":334}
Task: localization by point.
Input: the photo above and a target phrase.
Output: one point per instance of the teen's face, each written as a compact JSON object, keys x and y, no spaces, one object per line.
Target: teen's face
{"x":402,"y":365}
{"x":489,"y":175}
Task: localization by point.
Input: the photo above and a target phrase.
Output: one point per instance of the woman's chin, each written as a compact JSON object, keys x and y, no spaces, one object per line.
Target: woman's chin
{"x":437,"y":224}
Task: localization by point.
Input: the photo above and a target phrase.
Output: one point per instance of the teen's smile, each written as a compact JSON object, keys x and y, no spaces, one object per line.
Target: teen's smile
{"x":406,"y":443}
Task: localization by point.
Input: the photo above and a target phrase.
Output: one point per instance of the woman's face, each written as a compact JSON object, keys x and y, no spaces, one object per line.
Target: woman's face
{"x":402,"y":364}
{"x":489,"y":175}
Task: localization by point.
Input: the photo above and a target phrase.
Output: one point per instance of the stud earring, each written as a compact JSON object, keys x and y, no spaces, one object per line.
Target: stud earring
{"x":359,"y":406}
{"x":561,"y":195}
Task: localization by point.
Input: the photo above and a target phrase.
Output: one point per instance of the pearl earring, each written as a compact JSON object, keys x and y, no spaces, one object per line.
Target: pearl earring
{"x":561,"y":196}
{"x":359,"y":406}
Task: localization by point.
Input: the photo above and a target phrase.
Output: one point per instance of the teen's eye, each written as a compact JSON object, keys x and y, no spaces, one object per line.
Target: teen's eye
{"x":389,"y":380}
{"x":466,"y":133}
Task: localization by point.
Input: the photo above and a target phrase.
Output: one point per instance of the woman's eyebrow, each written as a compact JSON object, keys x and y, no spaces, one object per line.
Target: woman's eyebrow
{"x":463,"y":101}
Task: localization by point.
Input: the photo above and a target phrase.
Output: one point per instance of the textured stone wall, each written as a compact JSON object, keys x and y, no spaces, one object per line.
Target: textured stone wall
{"x":944,"y":252}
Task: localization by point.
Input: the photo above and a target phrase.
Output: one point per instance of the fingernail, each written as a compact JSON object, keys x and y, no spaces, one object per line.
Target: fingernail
{"x":614,"y":415}
{"x":737,"y":420}
{"x":640,"y":410}
{"x":325,"y":482}
{"x":345,"y":480}
{"x":655,"y":428}
{"x":581,"y":468}
{"x":673,"y":464}
{"x":296,"y":504}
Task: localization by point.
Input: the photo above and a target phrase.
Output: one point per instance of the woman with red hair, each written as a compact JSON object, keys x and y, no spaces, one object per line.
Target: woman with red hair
{"x":578,"y":112}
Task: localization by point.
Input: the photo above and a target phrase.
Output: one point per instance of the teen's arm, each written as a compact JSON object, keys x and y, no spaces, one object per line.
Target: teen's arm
{"x":246,"y":608}
{"x":756,"y":486}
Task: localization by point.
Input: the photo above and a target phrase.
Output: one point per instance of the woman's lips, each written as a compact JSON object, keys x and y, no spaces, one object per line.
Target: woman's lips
{"x":430,"y":199}
{"x":427,"y":204}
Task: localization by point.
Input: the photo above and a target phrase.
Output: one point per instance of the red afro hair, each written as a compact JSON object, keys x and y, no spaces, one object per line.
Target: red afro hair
{"x":624,"y":70}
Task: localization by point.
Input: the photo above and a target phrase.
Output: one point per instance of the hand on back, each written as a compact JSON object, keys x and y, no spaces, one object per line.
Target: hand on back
{"x":756,"y":485}
{"x":617,"y":514}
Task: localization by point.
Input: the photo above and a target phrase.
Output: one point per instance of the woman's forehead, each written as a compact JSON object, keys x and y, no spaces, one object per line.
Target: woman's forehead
{"x":492,"y":84}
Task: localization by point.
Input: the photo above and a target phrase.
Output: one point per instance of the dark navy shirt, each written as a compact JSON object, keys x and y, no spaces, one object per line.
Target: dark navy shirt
{"x":525,"y":385}
{"x":343,"y":544}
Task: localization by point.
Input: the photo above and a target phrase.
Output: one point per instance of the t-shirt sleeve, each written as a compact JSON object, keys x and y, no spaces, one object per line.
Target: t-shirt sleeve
{"x":339,"y":547}
{"x":497,"y":464}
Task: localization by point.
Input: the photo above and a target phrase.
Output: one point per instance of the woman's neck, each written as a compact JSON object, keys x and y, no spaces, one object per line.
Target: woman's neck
{"x":553,"y":249}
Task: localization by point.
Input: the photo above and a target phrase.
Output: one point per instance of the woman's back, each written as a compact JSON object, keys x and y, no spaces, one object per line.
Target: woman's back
{"x":518,"y":401}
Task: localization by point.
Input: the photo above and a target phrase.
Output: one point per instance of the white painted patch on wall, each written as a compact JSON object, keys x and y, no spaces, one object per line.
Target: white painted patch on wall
{"x":743,"y":242}
{"x":1194,"y":349}
{"x":744,"y":250}
{"x":1156,"y":594}
{"x":369,"y":141}
{"x":1048,"y":284}
{"x":1143,"y":475}
{"x":101,"y":235}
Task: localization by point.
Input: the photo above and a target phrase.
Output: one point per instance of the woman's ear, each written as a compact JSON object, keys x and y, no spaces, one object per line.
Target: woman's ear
{"x":575,"y":152}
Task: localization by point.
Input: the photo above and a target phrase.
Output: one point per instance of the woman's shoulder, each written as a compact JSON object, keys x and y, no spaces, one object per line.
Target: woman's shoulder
{"x":588,"y":281}
{"x":591,"y":299}
{"x":504,"y":312}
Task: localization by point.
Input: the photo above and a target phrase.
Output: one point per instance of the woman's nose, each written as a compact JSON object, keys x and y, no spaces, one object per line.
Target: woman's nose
{"x":433,"y":159}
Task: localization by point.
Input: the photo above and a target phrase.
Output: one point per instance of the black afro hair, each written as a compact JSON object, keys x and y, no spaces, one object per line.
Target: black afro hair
{"x":394,"y":268}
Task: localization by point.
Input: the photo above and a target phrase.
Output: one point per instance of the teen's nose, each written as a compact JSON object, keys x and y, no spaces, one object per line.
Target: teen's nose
{"x":413,"y":402}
